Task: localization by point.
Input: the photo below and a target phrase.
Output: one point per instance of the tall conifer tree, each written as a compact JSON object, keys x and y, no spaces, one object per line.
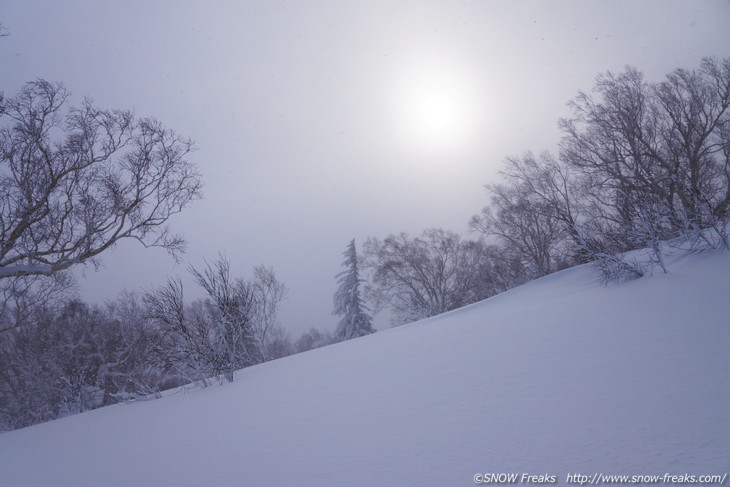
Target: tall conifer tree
{"x":355,"y":319}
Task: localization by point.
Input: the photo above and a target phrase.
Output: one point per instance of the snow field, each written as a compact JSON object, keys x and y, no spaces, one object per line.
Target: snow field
{"x":562,"y":375}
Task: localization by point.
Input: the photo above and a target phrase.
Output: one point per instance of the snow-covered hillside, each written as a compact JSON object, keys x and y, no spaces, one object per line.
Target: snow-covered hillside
{"x":560,"y":376}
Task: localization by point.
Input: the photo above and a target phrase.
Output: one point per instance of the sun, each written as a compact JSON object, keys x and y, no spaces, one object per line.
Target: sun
{"x":434,"y":108}
{"x":435,"y":113}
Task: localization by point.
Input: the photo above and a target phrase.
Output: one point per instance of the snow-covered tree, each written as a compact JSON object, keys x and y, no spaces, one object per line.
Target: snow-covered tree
{"x":355,"y":321}
{"x":655,"y":156}
{"x":75,"y":358}
{"x":229,"y":311}
{"x":234,"y":327}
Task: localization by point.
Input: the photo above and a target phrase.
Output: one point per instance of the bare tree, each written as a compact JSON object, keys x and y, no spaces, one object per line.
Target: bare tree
{"x":655,"y":156}
{"x":531,"y":215}
{"x":695,"y":134}
{"x":138,"y":373}
{"x":279,"y":344}
{"x":424,"y":276}
{"x":234,"y":327}
{"x":77,"y":357}
{"x":313,"y":338}
{"x":21,"y":297}
{"x":186,"y":346}
{"x":75,"y":182}
{"x":230,"y":310}
{"x":268,"y":292}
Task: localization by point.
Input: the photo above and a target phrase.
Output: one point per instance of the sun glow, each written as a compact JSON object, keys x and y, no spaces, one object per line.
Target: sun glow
{"x":434,"y":108}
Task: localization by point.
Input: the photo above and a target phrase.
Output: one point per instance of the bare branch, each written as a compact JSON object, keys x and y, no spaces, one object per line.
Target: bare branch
{"x":76,"y":184}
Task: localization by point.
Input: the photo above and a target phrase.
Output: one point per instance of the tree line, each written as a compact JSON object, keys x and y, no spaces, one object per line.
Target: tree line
{"x":70,"y":356}
{"x":640,"y":164}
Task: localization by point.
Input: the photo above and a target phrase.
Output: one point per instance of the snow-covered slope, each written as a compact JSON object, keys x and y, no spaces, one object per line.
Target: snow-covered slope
{"x":558,"y":377}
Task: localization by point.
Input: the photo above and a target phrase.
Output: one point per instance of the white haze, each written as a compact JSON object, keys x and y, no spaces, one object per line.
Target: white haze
{"x":302,"y":116}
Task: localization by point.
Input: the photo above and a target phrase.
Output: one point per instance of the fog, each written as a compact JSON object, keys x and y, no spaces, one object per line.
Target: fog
{"x":319,"y":122}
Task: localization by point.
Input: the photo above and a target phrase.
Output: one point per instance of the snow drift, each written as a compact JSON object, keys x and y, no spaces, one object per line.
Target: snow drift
{"x":560,"y":376}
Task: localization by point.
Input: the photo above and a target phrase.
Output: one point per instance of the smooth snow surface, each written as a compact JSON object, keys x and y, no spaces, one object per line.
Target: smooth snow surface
{"x":563,"y":375}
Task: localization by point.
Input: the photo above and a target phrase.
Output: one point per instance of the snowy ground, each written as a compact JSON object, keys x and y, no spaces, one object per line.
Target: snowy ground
{"x":561,"y":376}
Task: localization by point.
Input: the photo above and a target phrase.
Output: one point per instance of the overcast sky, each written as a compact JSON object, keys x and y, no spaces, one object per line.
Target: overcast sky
{"x":318,"y":122}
